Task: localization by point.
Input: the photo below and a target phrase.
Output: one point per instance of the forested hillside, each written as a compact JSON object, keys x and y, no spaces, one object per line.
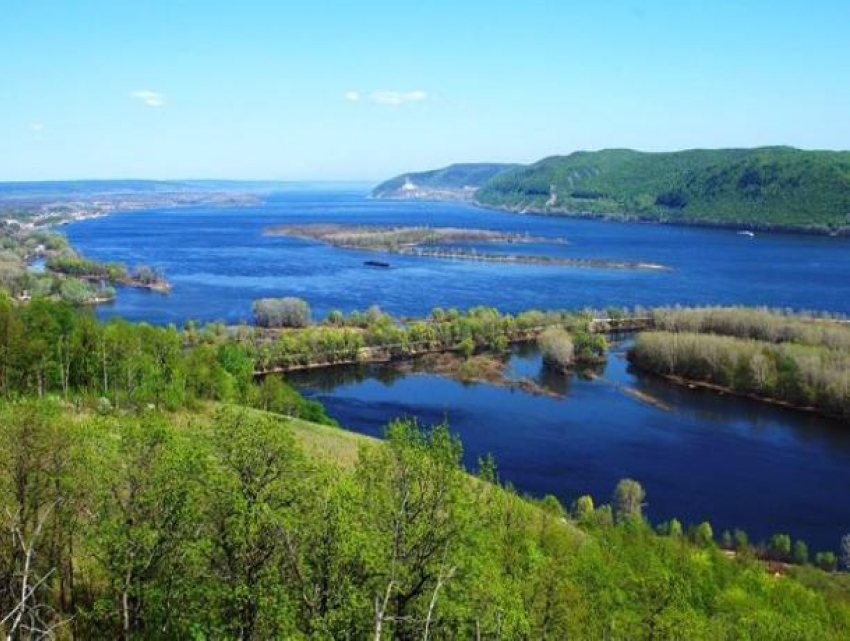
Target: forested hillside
{"x":770,"y":187}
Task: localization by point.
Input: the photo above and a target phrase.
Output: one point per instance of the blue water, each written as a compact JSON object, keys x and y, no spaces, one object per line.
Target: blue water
{"x":218,"y":261}
{"x":736,"y":463}
{"x":733,"y":462}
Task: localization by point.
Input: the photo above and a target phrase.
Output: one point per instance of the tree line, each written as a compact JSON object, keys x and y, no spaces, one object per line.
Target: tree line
{"x":800,"y":375}
{"x":358,"y":336}
{"x":51,"y":348}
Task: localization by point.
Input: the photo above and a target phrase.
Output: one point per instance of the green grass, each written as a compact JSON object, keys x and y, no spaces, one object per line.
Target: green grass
{"x":327,"y":443}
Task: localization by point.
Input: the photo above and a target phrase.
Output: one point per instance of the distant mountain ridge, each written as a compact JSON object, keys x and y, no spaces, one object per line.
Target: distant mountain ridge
{"x":35,"y":188}
{"x":759,"y":188}
{"x":455,"y":182}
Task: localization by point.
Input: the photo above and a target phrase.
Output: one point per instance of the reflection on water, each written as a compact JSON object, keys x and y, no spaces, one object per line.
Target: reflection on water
{"x":734,"y":462}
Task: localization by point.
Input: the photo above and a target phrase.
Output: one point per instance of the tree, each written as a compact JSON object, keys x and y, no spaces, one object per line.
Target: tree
{"x":253,"y":490}
{"x":826,"y":561}
{"x":742,"y":541}
{"x":415,"y":508}
{"x":583,"y":508}
{"x":336,"y":317}
{"x":703,"y":534}
{"x":281,"y":312}
{"x":144,"y":514}
{"x":675,"y":527}
{"x":779,"y":547}
{"x":628,"y":500}
{"x":800,"y":553}
{"x":466,"y":348}
{"x":556,"y":346}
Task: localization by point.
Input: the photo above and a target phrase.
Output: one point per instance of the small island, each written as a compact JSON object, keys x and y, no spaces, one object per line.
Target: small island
{"x":430,"y":242}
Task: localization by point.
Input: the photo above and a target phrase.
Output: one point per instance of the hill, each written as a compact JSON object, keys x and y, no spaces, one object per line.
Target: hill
{"x":768,"y":187}
{"x":455,"y":182}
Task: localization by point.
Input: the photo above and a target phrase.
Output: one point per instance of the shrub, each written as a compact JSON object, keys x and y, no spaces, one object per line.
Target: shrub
{"x":281,"y":312}
{"x":557,"y":349}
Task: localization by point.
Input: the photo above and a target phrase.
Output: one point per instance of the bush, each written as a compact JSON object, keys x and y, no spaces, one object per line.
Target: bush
{"x":557,"y":349}
{"x":826,"y":561}
{"x":281,"y":312}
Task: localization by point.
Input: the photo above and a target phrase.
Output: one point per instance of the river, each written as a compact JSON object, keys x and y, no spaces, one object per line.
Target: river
{"x":734,"y":462}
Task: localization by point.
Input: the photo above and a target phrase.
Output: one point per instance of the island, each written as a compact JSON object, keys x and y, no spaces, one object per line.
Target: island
{"x":435,"y":242}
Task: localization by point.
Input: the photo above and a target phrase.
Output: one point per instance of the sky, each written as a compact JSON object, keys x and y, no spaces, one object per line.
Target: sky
{"x":362,"y":90}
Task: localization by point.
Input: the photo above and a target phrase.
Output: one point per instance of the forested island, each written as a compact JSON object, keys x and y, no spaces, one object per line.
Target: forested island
{"x":63,"y":274}
{"x":156,"y":487}
{"x":771,"y":188}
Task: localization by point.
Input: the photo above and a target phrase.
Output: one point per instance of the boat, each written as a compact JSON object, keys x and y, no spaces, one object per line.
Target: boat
{"x":375,"y":263}
{"x":748,"y":234}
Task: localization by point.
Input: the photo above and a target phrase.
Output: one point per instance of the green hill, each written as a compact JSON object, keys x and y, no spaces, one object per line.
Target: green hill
{"x":769,"y":187}
{"x":450,"y":182}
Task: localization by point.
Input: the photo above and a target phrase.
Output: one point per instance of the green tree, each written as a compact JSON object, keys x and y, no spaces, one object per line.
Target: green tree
{"x":628,"y":500}
{"x":583,"y":508}
{"x":703,"y":534}
{"x":800,"y":553}
{"x":826,"y":561}
{"x":779,"y":547}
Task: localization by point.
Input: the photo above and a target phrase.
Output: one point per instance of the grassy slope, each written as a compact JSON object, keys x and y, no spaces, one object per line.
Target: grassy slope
{"x":452,"y":177}
{"x":764,"y":187}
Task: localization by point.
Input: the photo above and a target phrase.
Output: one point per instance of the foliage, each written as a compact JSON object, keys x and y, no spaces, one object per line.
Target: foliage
{"x":628,"y":500}
{"x":779,"y":547}
{"x":49,"y":348}
{"x":556,"y":347}
{"x":769,"y":187}
{"x":221,"y":526}
{"x":802,"y":375}
{"x":281,"y":312}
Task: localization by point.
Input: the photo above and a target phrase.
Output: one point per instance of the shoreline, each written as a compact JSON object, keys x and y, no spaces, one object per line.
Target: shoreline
{"x":634,"y":219}
{"x":688,"y":383}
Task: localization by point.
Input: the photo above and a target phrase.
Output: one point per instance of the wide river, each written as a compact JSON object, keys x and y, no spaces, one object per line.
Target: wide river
{"x":733,"y":462}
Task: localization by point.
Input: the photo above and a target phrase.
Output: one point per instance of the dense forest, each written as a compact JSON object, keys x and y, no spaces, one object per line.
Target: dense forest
{"x":777,"y":356}
{"x":770,"y":187}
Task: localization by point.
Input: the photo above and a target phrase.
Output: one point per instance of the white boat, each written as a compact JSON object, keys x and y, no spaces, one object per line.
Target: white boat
{"x":749,"y":234}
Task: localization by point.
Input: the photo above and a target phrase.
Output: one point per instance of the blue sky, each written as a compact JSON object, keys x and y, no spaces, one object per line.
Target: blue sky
{"x":364,"y":90}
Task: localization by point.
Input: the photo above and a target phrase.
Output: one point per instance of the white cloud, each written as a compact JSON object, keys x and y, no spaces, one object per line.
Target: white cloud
{"x":150,"y":98}
{"x":352,"y":96}
{"x":397,"y":97}
{"x":36,"y":127}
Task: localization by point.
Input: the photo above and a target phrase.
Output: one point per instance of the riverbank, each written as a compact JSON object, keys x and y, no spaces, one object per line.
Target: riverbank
{"x":724,"y":390}
{"x":637,"y":219}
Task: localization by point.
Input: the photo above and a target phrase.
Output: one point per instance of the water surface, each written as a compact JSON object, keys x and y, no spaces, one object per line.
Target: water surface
{"x":219,"y":261}
{"x":733,"y":462}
